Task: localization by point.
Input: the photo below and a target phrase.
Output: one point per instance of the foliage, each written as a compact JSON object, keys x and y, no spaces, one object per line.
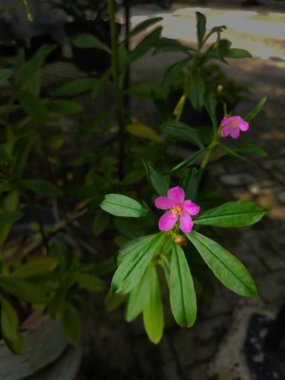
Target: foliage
{"x":108,"y":177}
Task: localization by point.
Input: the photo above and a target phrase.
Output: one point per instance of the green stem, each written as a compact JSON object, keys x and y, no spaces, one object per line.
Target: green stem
{"x":117,"y":89}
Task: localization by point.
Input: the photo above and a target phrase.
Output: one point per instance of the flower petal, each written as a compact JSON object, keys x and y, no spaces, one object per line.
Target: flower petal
{"x":234,"y":132}
{"x":186,"y":222}
{"x":225,"y":121}
{"x":243,"y":125}
{"x":225,"y":131}
{"x":176,"y":194}
{"x":164,"y":203}
{"x":191,"y":207}
{"x":167,"y":221}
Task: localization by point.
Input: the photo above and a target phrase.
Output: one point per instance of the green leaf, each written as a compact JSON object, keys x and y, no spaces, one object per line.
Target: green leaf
{"x":174,"y":72}
{"x":24,"y":290}
{"x":90,"y":282}
{"x":120,"y":205}
{"x":89,"y":41}
{"x":170,"y":45}
{"x":142,"y":26}
{"x":182,"y":132}
{"x":74,"y":87}
{"x":7,"y":217}
{"x":132,"y":246}
{"x":100,"y":223}
{"x":153,"y":308}
{"x":137,"y":298}
{"x":42,"y":187}
{"x":10,"y":204}
{"x":200,"y":28}
{"x":155,"y":179}
{"x":36,"y":267}
{"x":10,"y":327}
{"x":238,"y":53}
{"x":188,"y":161}
{"x":112,"y":301}
{"x":135,"y":262}
{"x":71,"y":324}
{"x":181,"y":289}
{"x":4,"y":75}
{"x":211,"y":106}
{"x":145,"y":45}
{"x":226,"y":267}
{"x":99,"y":84}
{"x":232,"y":214}
{"x":249,"y":148}
{"x":256,"y":109}
{"x":197,"y":90}
{"x":33,"y":106}
{"x":66,"y":107}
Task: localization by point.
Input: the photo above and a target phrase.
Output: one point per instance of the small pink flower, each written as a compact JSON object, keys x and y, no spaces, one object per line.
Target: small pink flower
{"x":233,"y":125}
{"x":179,"y":208}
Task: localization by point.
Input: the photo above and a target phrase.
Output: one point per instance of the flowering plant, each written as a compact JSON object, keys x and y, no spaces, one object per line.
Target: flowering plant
{"x":36,"y":170}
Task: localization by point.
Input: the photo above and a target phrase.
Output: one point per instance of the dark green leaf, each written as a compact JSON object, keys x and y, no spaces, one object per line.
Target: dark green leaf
{"x":67,"y":107}
{"x":89,"y":41}
{"x":120,"y":205}
{"x":142,"y":26}
{"x":238,"y":53}
{"x":35,"y":267}
{"x":188,"y":161}
{"x":182,"y":132}
{"x":90,"y":282}
{"x":181,"y":288}
{"x":155,"y":179}
{"x":135,"y":262}
{"x":10,"y":327}
{"x":211,"y":106}
{"x":226,"y":267}
{"x":33,"y":106}
{"x":200,"y":28}
{"x":174,"y":72}
{"x":197,"y":90}
{"x":7,"y":217}
{"x":249,"y":148}
{"x":5,"y":74}
{"x":100,"y":223}
{"x":256,"y":109}
{"x":137,"y":298}
{"x":74,"y":87}
{"x":71,"y":324}
{"x":232,"y":214}
{"x":153,"y":308}
{"x":170,"y":44}
{"x":145,"y":45}
{"x":42,"y":187}
{"x":24,"y":290}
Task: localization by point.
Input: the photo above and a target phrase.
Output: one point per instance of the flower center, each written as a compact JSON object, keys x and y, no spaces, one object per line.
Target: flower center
{"x":176,"y":210}
{"x":234,"y":123}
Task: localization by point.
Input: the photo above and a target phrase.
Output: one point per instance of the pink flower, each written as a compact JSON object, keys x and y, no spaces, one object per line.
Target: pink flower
{"x":233,"y":125}
{"x":179,"y":208}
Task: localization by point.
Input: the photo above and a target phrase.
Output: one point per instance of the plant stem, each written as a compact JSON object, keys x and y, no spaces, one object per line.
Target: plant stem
{"x":117,"y":89}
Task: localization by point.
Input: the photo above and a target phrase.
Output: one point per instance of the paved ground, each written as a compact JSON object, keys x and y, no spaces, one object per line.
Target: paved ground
{"x":118,"y":350}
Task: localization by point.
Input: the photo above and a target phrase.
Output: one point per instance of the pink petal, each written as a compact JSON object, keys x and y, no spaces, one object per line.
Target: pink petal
{"x":243,"y":125}
{"x":176,"y":194}
{"x":225,"y":131}
{"x":191,"y":207}
{"x":234,"y":132}
{"x":167,"y":221}
{"x":164,"y":203}
{"x":225,"y":121}
{"x":186,"y":222}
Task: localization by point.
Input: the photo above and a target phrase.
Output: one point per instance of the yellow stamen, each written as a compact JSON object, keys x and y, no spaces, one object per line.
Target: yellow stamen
{"x":176,"y":210}
{"x":234,"y":123}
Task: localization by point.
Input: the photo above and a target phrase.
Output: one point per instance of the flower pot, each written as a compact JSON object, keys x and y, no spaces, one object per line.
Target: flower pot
{"x":44,"y":343}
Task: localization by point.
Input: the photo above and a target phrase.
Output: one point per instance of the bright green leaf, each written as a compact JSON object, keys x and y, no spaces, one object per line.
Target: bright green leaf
{"x":155,"y":179}
{"x":137,"y":298}
{"x":181,"y":289}
{"x":226,"y":267}
{"x":153,"y":308}
{"x":120,"y":205}
{"x":232,"y":214}
{"x":42,"y":187}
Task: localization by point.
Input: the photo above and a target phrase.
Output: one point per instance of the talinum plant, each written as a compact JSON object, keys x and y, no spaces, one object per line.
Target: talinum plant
{"x":136,"y":280}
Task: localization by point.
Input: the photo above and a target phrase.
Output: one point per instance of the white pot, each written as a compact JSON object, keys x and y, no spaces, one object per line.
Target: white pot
{"x":44,"y":342}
